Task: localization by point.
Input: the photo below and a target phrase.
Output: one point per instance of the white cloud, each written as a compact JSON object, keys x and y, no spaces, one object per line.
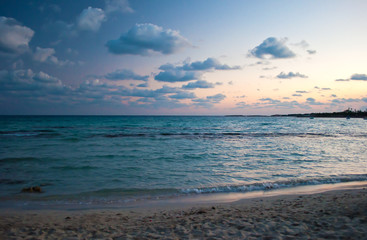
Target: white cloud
{"x":117,"y":6}
{"x":14,"y":37}
{"x":91,"y":19}
{"x":46,"y":55}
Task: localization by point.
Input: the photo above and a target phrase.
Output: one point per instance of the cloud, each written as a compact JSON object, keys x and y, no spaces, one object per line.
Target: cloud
{"x":302,"y":92}
{"x":242,"y":105}
{"x":346,"y":100}
{"x":274,"y":103}
{"x":191,"y":71}
{"x":198,"y":84}
{"x":125,"y":74}
{"x":46,"y":55}
{"x":176,"y":76}
{"x":143,"y":85}
{"x":43,"y":54}
{"x":361,"y":77}
{"x":269,"y":100}
{"x":312,"y":101}
{"x":18,"y":81}
{"x":273,"y":48}
{"x":290,"y":75}
{"x":296,"y":95}
{"x":91,"y":19}
{"x":208,"y":64}
{"x":117,"y":6}
{"x":142,"y":39}
{"x":302,"y":44}
{"x":183,"y":95}
{"x":14,"y":37}
{"x":311,"y":51}
{"x":216,"y":98}
{"x":209,"y":101}
{"x":355,"y":77}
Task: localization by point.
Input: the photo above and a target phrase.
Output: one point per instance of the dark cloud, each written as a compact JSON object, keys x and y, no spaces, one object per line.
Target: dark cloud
{"x":208,"y":64}
{"x":143,"y":85}
{"x":311,"y":51}
{"x":143,"y":39}
{"x":209,"y":101}
{"x":198,"y":84}
{"x":302,"y":92}
{"x":346,"y":100}
{"x":184,"y":95}
{"x":269,"y":100}
{"x":356,"y":77}
{"x":296,"y":95}
{"x":191,"y":71}
{"x":269,"y":68}
{"x":176,"y":76}
{"x":273,"y":48}
{"x":125,"y":74}
{"x":26,"y":82}
{"x":361,"y":77}
{"x":14,"y":37}
{"x":216,"y":98}
{"x":289,"y":75}
{"x":312,"y":101}
{"x":342,"y":80}
{"x":242,"y":105}
{"x":274,"y":103}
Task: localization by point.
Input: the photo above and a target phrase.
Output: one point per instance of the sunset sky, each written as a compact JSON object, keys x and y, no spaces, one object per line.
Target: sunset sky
{"x":192,"y":57}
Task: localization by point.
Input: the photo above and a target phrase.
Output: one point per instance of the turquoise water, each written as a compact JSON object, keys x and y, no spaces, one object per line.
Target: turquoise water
{"x":124,"y":158}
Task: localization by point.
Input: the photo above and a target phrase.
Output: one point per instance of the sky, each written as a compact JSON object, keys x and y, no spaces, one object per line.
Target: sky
{"x":192,"y":57}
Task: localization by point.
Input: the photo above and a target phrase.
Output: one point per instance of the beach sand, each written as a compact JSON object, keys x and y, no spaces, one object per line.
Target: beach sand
{"x":338,"y":214}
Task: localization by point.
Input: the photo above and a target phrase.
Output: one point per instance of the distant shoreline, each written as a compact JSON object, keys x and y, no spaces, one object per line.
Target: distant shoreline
{"x":349,"y":113}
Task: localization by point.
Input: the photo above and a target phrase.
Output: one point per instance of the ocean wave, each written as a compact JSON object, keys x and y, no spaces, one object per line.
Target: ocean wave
{"x":18,"y":159}
{"x":30,"y":133}
{"x":71,"y":168}
{"x":224,"y":135}
{"x":275,"y":185}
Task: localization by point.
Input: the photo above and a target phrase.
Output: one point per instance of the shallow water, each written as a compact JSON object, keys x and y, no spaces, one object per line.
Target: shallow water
{"x":124,"y":158}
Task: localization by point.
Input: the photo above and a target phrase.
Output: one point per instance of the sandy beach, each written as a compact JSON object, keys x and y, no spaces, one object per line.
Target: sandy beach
{"x":337,"y":214}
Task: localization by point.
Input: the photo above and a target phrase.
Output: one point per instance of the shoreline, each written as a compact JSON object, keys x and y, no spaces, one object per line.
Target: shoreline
{"x":171,"y":201}
{"x":339,"y":211}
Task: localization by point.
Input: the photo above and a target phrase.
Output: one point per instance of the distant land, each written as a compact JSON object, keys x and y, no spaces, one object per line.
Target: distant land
{"x":349,"y":113}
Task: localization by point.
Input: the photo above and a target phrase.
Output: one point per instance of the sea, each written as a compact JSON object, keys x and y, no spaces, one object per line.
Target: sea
{"x":117,"y":160}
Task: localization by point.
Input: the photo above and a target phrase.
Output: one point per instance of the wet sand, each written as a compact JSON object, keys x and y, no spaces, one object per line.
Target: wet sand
{"x":337,"y":214}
